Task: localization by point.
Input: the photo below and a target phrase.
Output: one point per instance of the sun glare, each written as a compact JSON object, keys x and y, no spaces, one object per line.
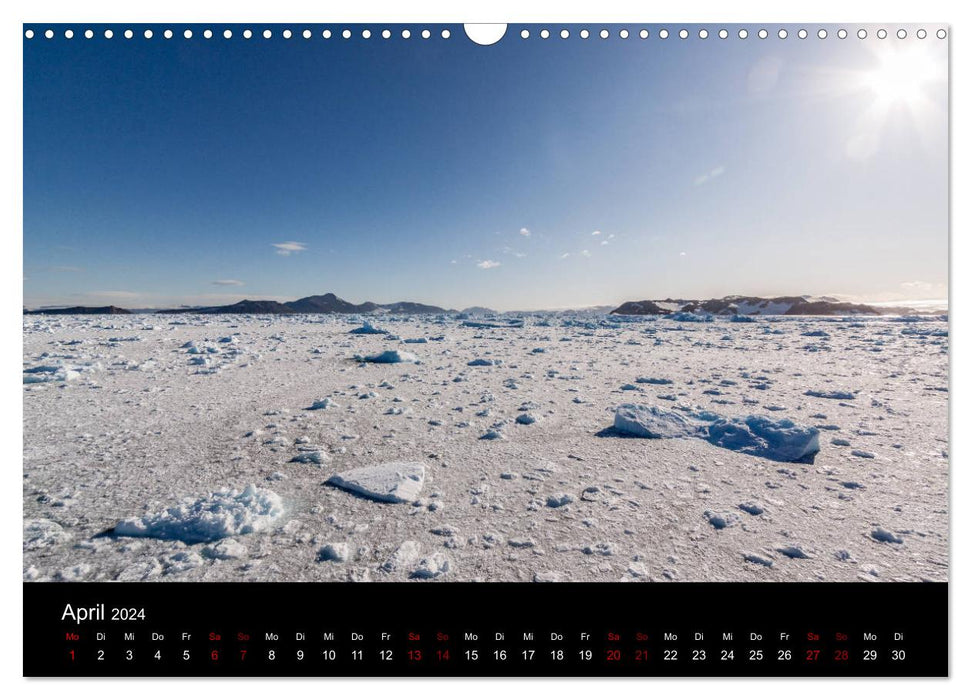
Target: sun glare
{"x":902,"y":76}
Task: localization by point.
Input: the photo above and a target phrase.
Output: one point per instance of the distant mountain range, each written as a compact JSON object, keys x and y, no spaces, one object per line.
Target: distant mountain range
{"x":726,"y":306}
{"x":320,"y":304}
{"x":762,"y":306}
{"x":75,"y":310}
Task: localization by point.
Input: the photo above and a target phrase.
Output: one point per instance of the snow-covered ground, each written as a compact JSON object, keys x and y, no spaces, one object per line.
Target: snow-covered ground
{"x":568,"y":448}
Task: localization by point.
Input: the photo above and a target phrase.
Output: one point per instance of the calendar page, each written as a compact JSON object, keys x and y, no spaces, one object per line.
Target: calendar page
{"x":513,"y":350}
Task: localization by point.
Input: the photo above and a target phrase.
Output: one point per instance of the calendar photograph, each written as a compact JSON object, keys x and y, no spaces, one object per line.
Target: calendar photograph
{"x":577,"y":304}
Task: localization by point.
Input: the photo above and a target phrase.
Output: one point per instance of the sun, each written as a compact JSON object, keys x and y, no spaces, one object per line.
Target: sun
{"x":902,"y":76}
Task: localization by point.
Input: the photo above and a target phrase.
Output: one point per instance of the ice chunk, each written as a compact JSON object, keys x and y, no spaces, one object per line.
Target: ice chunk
{"x":334,"y":551}
{"x":368,"y":329}
{"x":882,"y":535}
{"x":224,"y":513}
{"x":388,"y":357}
{"x":322,"y":404}
{"x":483,"y":362}
{"x":782,"y":441}
{"x":842,"y":395}
{"x":431,"y":567}
{"x":653,"y":422}
{"x":42,"y":533}
{"x":560,"y":499}
{"x":405,"y":555}
{"x":393,"y":482}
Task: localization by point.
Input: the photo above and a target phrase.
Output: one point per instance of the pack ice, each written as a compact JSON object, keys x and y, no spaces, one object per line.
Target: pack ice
{"x":224,"y":513}
{"x":781,"y":441}
{"x":393,"y":482}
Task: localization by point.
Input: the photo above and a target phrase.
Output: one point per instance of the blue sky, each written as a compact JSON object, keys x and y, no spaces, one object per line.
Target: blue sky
{"x":529,"y":174}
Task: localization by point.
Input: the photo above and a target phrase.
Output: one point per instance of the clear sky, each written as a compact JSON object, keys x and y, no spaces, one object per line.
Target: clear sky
{"x":529,"y":174}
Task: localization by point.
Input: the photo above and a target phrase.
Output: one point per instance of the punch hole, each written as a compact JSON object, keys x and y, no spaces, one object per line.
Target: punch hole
{"x":941,"y":34}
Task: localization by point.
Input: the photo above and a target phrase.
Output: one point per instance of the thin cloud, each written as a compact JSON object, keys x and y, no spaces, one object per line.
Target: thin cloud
{"x":513,"y":252}
{"x":564,"y":256}
{"x":228,"y":283}
{"x":289,"y":247}
{"x":710,"y":175}
{"x":595,"y":233}
{"x":585,"y":253}
{"x":525,"y":232}
{"x":488,"y":264}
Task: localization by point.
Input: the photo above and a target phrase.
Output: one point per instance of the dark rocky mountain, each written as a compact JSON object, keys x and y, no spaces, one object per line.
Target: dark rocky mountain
{"x":413,"y":307}
{"x":479,"y":311}
{"x":639,"y":308}
{"x":77,"y":310}
{"x":329,"y":304}
{"x":246,"y":306}
{"x":755,"y":306}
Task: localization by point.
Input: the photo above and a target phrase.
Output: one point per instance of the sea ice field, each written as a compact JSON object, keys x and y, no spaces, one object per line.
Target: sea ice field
{"x":553,"y":447}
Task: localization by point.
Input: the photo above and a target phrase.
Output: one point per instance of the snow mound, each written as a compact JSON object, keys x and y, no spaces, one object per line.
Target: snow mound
{"x":389,"y":357}
{"x":224,"y":513}
{"x":393,"y":482}
{"x":780,"y":441}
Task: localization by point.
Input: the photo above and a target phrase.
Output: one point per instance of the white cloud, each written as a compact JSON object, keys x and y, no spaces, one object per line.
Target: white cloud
{"x":710,"y":175}
{"x":228,"y":283}
{"x":683,"y":254}
{"x":289,"y":247}
{"x":595,"y":233}
{"x":604,"y":242}
{"x":564,"y":256}
{"x":585,"y":253}
{"x":524,"y":232}
{"x":488,"y":264}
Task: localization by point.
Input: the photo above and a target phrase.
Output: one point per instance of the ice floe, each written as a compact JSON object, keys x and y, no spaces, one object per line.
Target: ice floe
{"x":393,"y":482}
